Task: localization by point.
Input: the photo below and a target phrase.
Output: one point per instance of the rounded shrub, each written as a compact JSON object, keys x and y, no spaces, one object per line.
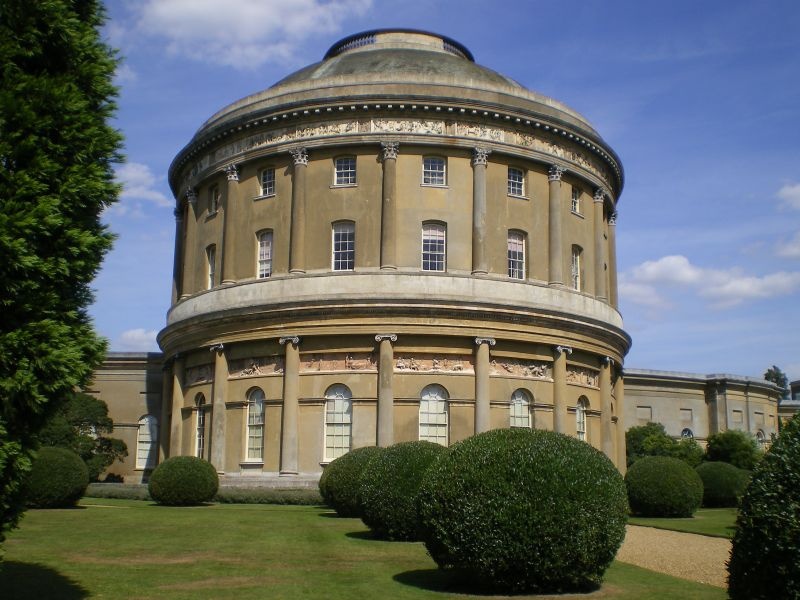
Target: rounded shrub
{"x":517,"y":510}
{"x":58,"y":478}
{"x":340,"y":481}
{"x":765,"y":558}
{"x":183,"y":481}
{"x":662,"y":486}
{"x":723,"y":484}
{"x":389,"y":486}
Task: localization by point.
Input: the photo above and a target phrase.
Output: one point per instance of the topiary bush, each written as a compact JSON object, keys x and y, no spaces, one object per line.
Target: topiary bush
{"x":389,"y":486}
{"x":765,"y":558}
{"x":661,"y":486}
{"x":58,"y":478}
{"x":723,"y":484}
{"x":516,"y":510}
{"x":340,"y":481}
{"x":183,"y":481}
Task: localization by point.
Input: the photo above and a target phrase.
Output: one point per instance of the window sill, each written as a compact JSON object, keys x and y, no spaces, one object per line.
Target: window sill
{"x":434,"y":185}
{"x":251,"y":463}
{"x":264,"y":196}
{"x":518,"y":196}
{"x":577,"y":214}
{"x":343,"y":185}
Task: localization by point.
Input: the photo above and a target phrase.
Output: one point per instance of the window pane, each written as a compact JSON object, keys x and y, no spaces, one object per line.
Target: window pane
{"x":520,"y":410}
{"x":146,"y":443}
{"x":338,"y":419}
{"x":264,"y":254}
{"x":211,"y":255}
{"x":268,"y":182}
{"x":576,"y":268}
{"x":434,"y":247}
{"x":345,"y":170}
{"x":516,"y":182}
{"x":433,"y":415}
{"x":516,"y":256}
{"x":344,"y":247}
{"x":433,"y":171}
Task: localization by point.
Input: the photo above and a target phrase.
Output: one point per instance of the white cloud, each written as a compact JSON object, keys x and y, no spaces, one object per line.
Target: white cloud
{"x":138,"y":340}
{"x":124,"y":74}
{"x":243,"y":34}
{"x":790,"y":249}
{"x":790,"y":194}
{"x":138,"y":183}
{"x":724,"y":288}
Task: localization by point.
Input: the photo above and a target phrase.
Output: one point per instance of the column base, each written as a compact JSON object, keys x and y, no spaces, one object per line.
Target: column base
{"x":557,"y":284}
{"x":287,"y":473}
{"x":480,"y":272}
{"x":297,"y":271}
{"x":388,"y":268}
{"x":228,"y":282}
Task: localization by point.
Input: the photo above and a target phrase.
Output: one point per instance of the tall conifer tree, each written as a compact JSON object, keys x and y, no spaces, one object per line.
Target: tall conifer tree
{"x":57,"y":152}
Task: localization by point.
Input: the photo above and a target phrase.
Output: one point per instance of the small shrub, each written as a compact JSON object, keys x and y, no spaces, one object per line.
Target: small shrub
{"x":389,"y":486}
{"x":285,"y":496}
{"x":183,"y":481}
{"x":661,"y":486}
{"x":58,"y":478}
{"x":516,"y":510}
{"x":723,"y":484}
{"x":735,"y":447}
{"x":119,"y":491}
{"x":340,"y":481}
{"x":765,"y":558}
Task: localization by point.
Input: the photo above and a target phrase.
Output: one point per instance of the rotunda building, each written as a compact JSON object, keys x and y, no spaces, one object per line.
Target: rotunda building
{"x":392,"y":244}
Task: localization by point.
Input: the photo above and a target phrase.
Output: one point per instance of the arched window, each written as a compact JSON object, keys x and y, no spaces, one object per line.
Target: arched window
{"x":338,"y":421}
{"x":147,"y":443}
{"x":200,"y":426}
{"x":520,"y":409}
{"x":577,"y":272}
{"x":264,"y":258}
{"x":516,"y":255}
{"x":343,"y":254}
{"x":761,"y":438}
{"x":255,"y":425}
{"x":433,"y":414}
{"x":687,"y":434}
{"x":211,"y":265}
{"x":580,"y":418}
{"x":434,"y":247}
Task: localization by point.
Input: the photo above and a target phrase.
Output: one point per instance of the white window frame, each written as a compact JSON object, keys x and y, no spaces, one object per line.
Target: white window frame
{"x":338,"y":421}
{"x":581,"y":425}
{"x":575,"y":201}
{"x":214,"y":199}
{"x":147,"y":442}
{"x":519,"y":410}
{"x":576,"y":267}
{"x":211,"y":265}
{"x":434,"y":171}
{"x":434,"y":238}
{"x":200,"y":426}
{"x":343,"y":246}
{"x":344,"y":171}
{"x":266,"y":181}
{"x":687,"y":434}
{"x":254,"y":452}
{"x":264,"y":254}
{"x":516,"y":182}
{"x":433,"y":414}
{"x":516,"y":254}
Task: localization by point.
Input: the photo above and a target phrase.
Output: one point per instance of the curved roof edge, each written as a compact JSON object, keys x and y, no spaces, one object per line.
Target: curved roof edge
{"x":366,"y":38}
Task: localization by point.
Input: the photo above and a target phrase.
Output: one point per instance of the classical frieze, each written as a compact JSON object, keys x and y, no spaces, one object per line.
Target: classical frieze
{"x":434,"y":363}
{"x":339,"y":361}
{"x":255,"y":367}
{"x":199,"y":374}
{"x":530,"y":369}
{"x":583,"y":376}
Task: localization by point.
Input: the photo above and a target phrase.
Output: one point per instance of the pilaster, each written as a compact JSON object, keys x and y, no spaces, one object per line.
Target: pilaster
{"x":482,"y":403}
{"x":606,"y":424}
{"x":599,"y":246}
{"x":291,"y":391}
{"x":612,"y":260}
{"x":176,"y":424}
{"x":385,"y":389}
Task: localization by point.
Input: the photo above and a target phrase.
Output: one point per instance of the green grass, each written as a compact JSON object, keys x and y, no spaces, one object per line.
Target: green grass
{"x":134,"y":549}
{"x":716,"y":522}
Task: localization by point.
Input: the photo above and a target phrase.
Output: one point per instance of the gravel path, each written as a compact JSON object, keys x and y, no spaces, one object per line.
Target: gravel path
{"x":685,"y":555}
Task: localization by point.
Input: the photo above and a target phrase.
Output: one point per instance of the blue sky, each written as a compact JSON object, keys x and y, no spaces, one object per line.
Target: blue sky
{"x":701,"y":100}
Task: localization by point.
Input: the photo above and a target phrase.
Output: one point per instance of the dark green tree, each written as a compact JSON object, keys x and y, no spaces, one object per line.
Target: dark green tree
{"x":779,"y":378}
{"x":652,"y":440}
{"x":81,"y":424}
{"x":57,"y":152}
{"x":735,"y":447}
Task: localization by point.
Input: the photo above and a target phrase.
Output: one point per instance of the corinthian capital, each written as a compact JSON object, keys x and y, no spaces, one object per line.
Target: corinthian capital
{"x":555,"y":173}
{"x":232,"y":172}
{"x":390,"y":149}
{"x":191,"y":196}
{"x":612,"y":218}
{"x":600,"y":194}
{"x":299,"y":155}
{"x":480,"y":156}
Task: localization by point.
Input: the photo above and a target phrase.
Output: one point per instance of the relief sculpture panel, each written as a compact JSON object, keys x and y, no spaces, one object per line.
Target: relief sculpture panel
{"x":198,"y":374}
{"x":531,"y":369}
{"x":433,"y":363}
{"x":339,"y":361}
{"x":581,"y":376}
{"x":255,"y":367}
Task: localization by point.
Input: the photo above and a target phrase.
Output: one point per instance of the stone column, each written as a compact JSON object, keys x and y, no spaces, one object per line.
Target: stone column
{"x":555,"y":249}
{"x":389,"y":207}
{"x":177,"y":265}
{"x":612,"y":260}
{"x":560,"y":388}
{"x":228,"y":221}
{"x":482,"y":405}
{"x":479,"y":160}
{"x":291,"y":396}
{"x":166,"y":409}
{"x":619,"y":395}
{"x":176,"y":423}
{"x":218,"y":408}
{"x":385,"y":391}
{"x":297,"y":252}
{"x":599,"y":247}
{"x":190,"y":252}
{"x":606,"y":426}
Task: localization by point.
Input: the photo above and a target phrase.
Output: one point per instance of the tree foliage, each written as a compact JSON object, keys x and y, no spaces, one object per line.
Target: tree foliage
{"x":779,"y":378}
{"x":56,"y":176}
{"x":735,"y":447}
{"x":652,"y":440}
{"x":80,"y":425}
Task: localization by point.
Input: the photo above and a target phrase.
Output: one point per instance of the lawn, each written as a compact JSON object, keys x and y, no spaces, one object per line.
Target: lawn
{"x":716,"y":522}
{"x":135,"y":549}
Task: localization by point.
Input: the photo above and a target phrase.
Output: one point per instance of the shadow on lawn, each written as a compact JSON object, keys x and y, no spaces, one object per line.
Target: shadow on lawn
{"x":28,"y":580}
{"x":454,"y":582}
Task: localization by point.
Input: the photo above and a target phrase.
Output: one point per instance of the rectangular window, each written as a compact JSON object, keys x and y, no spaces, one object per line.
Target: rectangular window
{"x":576,"y":200}
{"x":516,"y":255}
{"x":344,"y":246}
{"x":433,"y":421}
{"x":200,"y":433}
{"x":264,"y":265}
{"x":214,"y":198}
{"x":338,"y":418}
{"x":146,"y":448}
{"x":577,"y":282}
{"x":516,"y":182}
{"x":268,"y":182}
{"x":434,"y":247}
{"x":434,"y":171}
{"x":345,"y":171}
{"x":255,"y":431}
{"x":211,"y":258}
